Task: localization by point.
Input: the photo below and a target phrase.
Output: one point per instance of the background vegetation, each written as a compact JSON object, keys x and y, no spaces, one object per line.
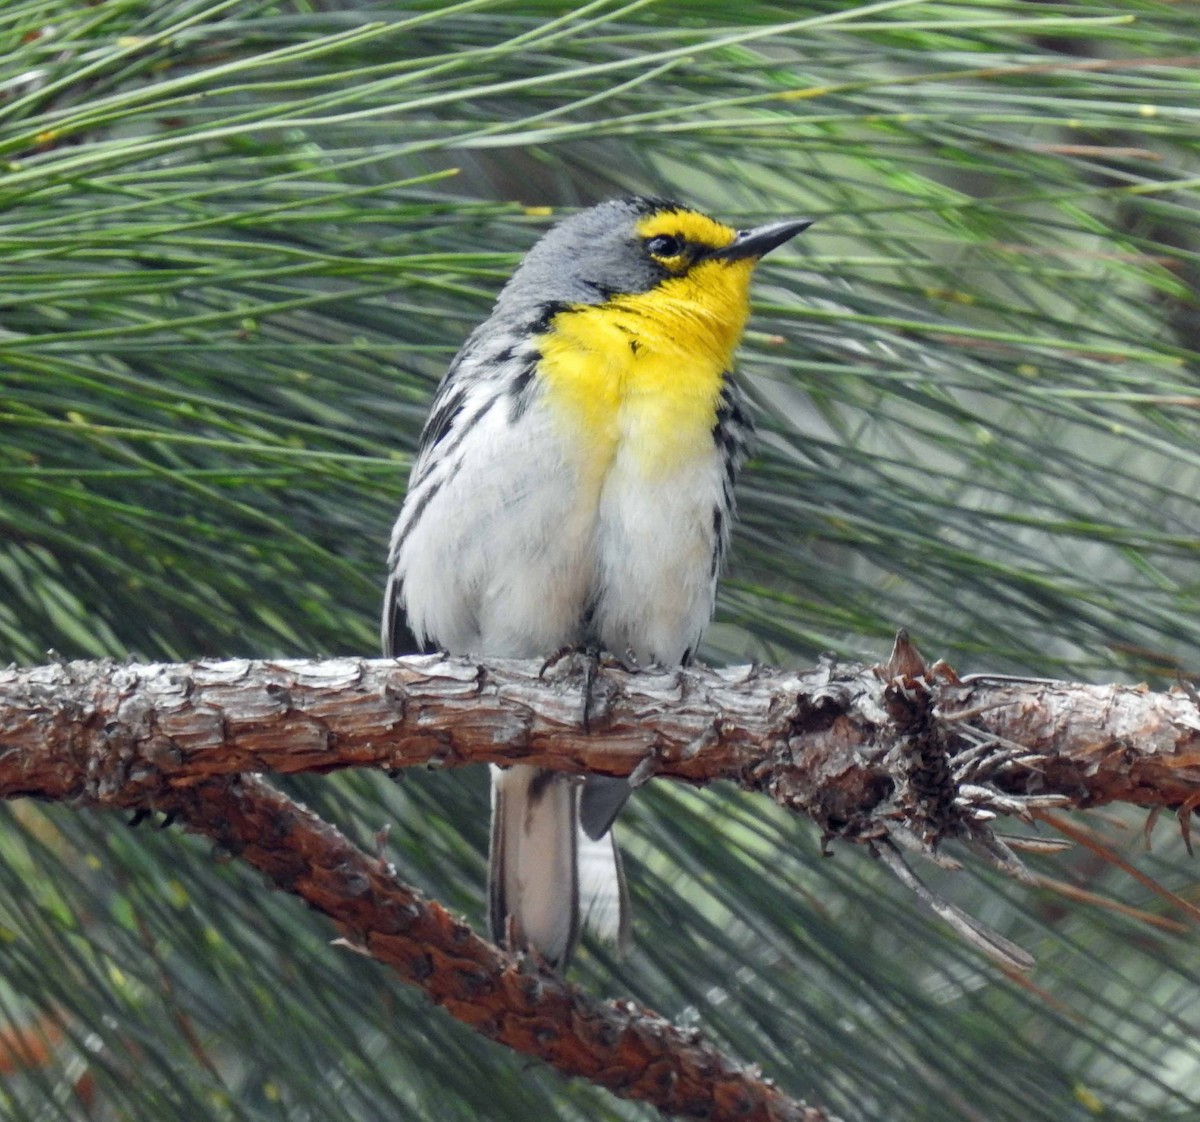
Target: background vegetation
{"x":241,"y":241}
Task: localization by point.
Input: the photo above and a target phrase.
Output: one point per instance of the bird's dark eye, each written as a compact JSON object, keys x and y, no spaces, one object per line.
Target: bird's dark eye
{"x":664,"y":245}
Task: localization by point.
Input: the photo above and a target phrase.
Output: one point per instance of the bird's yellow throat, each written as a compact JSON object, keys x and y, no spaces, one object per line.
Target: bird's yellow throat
{"x":646,"y":370}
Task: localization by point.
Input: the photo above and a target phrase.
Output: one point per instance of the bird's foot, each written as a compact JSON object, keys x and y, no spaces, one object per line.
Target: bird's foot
{"x":583,"y":662}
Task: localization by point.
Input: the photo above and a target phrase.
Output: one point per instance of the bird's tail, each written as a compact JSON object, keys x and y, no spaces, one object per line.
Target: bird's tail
{"x":546,"y":873}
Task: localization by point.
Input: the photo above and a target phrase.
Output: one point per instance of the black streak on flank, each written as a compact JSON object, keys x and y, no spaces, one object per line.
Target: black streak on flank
{"x":727,"y":495}
{"x":731,"y":422}
{"x":442,"y":418}
{"x":502,"y":358}
{"x":414,"y":515}
{"x":731,"y":432}
{"x":521,"y":391}
{"x":718,"y":545}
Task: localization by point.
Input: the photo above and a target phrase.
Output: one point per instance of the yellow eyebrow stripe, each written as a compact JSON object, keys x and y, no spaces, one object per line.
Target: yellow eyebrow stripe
{"x":698,"y":229}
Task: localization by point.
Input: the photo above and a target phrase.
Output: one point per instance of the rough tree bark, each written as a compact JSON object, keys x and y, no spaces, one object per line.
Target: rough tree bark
{"x":898,"y":753}
{"x":832,"y":742}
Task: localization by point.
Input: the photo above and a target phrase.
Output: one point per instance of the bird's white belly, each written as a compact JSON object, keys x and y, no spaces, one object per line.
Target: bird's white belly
{"x":655,"y":542}
{"x":532,"y":545}
{"x":501,"y":562}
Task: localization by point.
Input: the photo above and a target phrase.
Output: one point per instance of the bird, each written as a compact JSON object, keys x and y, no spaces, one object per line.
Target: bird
{"x":573,"y":490}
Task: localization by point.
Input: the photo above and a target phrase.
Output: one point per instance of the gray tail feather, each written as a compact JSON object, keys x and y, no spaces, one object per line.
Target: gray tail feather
{"x":546,"y":869}
{"x":600,"y":802}
{"x":533,"y":880}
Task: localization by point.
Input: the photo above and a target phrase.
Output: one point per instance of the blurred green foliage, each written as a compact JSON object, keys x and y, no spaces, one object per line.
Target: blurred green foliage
{"x":241,"y":241}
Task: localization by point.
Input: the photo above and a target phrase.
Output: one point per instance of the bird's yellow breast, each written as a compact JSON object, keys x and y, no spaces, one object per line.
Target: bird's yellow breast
{"x":643,"y":373}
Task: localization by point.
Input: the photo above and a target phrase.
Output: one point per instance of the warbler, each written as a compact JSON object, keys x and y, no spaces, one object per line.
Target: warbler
{"x":574,"y":488}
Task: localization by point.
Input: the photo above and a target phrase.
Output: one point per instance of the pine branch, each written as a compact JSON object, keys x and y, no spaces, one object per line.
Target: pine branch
{"x":619,"y":1045}
{"x":837,"y":743}
{"x":900,"y":754}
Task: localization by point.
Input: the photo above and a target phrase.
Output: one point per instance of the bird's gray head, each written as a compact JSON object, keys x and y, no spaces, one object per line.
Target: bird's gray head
{"x":627,"y":246}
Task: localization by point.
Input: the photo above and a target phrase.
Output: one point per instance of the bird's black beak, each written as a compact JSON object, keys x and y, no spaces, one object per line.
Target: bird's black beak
{"x":759,"y":241}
